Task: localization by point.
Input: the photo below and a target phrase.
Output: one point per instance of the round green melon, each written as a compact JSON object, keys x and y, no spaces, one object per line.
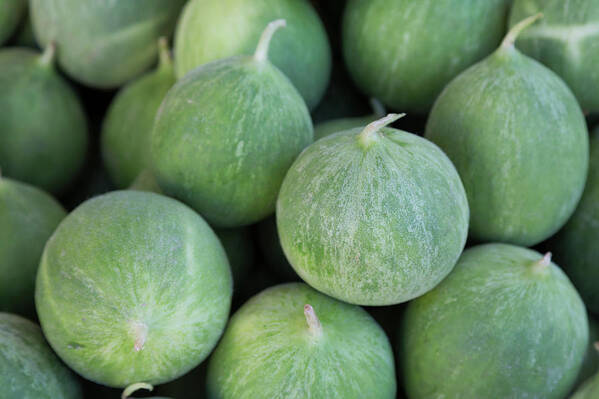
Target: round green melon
{"x":43,"y":130}
{"x":11,"y":13}
{"x":575,"y":246}
{"x":226,"y":134}
{"x":291,"y":341}
{"x":28,"y":217}
{"x":133,"y":287}
{"x":210,"y":30}
{"x":338,"y":125}
{"x":506,"y":323}
{"x":104,"y":44}
{"x":28,"y":367}
{"x":373,"y":216}
{"x":404,"y":52}
{"x":130,"y":118}
{"x":240,"y":251}
{"x":519,"y":141}
{"x":566,"y":40}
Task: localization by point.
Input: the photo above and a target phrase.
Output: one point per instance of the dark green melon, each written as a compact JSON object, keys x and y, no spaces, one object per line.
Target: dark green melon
{"x":226,"y":134}
{"x":11,"y":13}
{"x":43,"y":130}
{"x":506,"y":323}
{"x":28,"y":217}
{"x":28,"y":367}
{"x":519,"y":141}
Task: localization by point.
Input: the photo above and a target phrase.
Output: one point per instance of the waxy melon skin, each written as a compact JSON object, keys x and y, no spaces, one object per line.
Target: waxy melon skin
{"x":225,"y":136}
{"x":576,"y":245}
{"x":404,"y":52}
{"x":28,"y":367}
{"x":28,"y":217}
{"x":501,"y":325}
{"x":213,"y":29}
{"x":269,"y":351}
{"x":133,"y":287}
{"x":11,"y":12}
{"x":43,"y":129}
{"x":104,"y":44}
{"x":372,"y":226}
{"x":566,"y":40}
{"x":519,"y":141}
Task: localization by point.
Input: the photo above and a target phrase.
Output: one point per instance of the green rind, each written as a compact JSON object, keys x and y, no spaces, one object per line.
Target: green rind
{"x":11,"y":13}
{"x":127,"y":259}
{"x":210,"y":30}
{"x":575,"y":246}
{"x":374,"y":226}
{"x":28,"y":217}
{"x":566,"y":40}
{"x":224,"y":137}
{"x":500,"y":326}
{"x":28,"y":367}
{"x":519,"y":141}
{"x":269,"y":352}
{"x":128,"y":124}
{"x":104,"y":44}
{"x":43,"y":129}
{"x":404,"y":52}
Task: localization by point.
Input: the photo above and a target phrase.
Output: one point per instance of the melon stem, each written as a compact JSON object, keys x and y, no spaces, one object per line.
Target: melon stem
{"x":543,"y":263}
{"x":164,"y":55}
{"x":261,"y":53}
{"x":312,"y":320}
{"x":368,"y":135}
{"x":47,"y":57}
{"x":513,"y":34}
{"x":377,"y":107}
{"x":134,"y":387}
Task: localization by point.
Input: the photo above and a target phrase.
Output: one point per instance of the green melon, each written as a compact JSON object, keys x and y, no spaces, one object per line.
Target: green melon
{"x":11,"y":13}
{"x":372,"y":216}
{"x":130,"y":118}
{"x":226,"y":134}
{"x":28,"y":367}
{"x":43,"y":130}
{"x":567,"y":41}
{"x":404,"y":52}
{"x":210,"y":30}
{"x":575,"y":246}
{"x":337,"y":125}
{"x":292,"y":342}
{"x":133,"y":287}
{"x":506,"y":323}
{"x":28,"y":217}
{"x":519,"y":140}
{"x":104,"y":44}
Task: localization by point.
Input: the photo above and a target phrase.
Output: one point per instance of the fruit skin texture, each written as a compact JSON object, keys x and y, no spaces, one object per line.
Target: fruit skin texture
{"x":575,"y":246}
{"x":566,"y":40}
{"x":372,"y":226}
{"x":501,"y":325}
{"x":271,"y":352}
{"x":43,"y":130}
{"x":133,"y":287}
{"x":406,"y":63}
{"x":11,"y":12}
{"x":224,"y":137}
{"x":210,"y":30}
{"x":129,"y":121}
{"x":28,"y":217}
{"x":104,"y":44}
{"x":28,"y":367}
{"x":518,"y":138}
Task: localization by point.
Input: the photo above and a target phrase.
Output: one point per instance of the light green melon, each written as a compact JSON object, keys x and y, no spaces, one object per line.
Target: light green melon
{"x":292,"y":342}
{"x":210,"y":30}
{"x":519,"y":141}
{"x":104,"y":43}
{"x":372,"y":216}
{"x":43,"y":130}
{"x":28,"y":367}
{"x":133,"y":287}
{"x":226,"y":134}
{"x":506,"y":323}
{"x":11,"y":12}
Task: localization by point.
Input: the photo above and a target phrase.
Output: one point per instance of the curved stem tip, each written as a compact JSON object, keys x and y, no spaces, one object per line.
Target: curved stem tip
{"x":543,"y":263}
{"x":134,"y":387}
{"x":312,"y":320}
{"x":47,"y":57}
{"x":368,"y":135}
{"x":261,"y":53}
{"x":513,"y":34}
